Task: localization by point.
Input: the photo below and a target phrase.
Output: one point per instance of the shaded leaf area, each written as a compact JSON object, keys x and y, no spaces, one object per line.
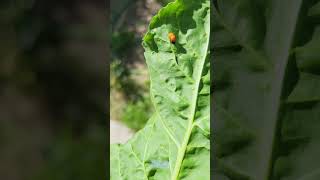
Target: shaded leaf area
{"x":175,"y":143}
{"x":266,"y":85}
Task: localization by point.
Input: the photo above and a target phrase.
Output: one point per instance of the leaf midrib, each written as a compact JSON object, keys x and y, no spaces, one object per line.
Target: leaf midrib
{"x":278,"y":73}
{"x":182,"y":150}
{"x":265,"y":164}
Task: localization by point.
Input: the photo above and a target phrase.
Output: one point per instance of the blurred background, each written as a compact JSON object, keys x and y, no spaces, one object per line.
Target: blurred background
{"x":53,"y":89}
{"x":130,"y":104}
{"x":56,"y":74}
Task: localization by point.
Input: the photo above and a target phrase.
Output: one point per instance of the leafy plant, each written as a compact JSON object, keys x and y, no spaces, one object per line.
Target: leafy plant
{"x":175,"y":143}
{"x":122,"y":42}
{"x":136,"y":114}
{"x":121,"y":71}
{"x":121,"y":80}
{"x":120,"y":74}
{"x":266,"y":86}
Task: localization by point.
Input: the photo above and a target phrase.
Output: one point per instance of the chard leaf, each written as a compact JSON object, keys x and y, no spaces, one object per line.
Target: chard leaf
{"x":175,"y":144}
{"x":267,"y":90}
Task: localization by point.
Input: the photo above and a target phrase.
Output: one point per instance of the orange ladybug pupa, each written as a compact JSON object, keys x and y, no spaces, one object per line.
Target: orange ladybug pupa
{"x":172,"y":38}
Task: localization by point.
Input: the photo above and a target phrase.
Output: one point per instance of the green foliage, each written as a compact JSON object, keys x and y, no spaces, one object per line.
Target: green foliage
{"x":121,"y":80}
{"x":175,"y":143}
{"x":136,"y":114}
{"x":122,"y":42}
{"x":266,"y":86}
{"x":121,"y":73}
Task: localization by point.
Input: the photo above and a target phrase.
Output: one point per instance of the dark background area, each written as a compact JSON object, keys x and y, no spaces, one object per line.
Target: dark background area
{"x":53,"y":89}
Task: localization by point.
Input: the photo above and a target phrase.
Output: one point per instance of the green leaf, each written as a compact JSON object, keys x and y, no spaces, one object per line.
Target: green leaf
{"x":267,"y":90}
{"x":175,"y":143}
